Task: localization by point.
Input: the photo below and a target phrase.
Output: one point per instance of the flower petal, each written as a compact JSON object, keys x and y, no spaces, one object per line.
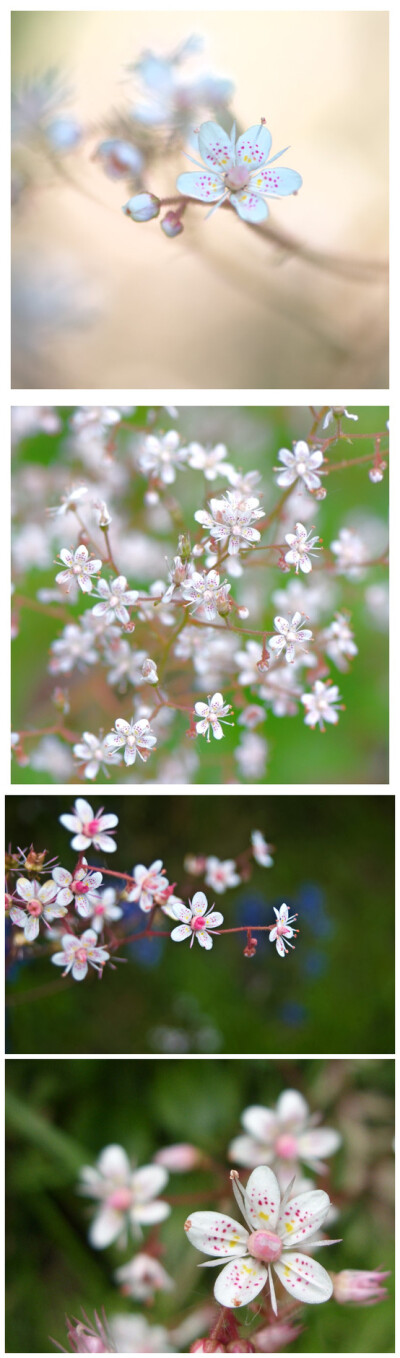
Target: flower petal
{"x":204,"y":939}
{"x":319,"y":1142}
{"x":148,"y":1213}
{"x":180,"y":933}
{"x":263,"y":1198}
{"x":215,"y":146}
{"x":148,"y":1181}
{"x":214,"y":920}
{"x":240,"y":1281}
{"x":105,"y":1228}
{"x":276,"y":183}
{"x":249,"y":206}
{"x":181,"y":912}
{"x":303,"y":1277}
{"x":114,"y":1163}
{"x":83,"y":809}
{"x":260,"y":1123}
{"x":199,"y":903}
{"x":253,"y":147}
{"x":291,"y":1109}
{"x":207,"y":188}
{"x":31,"y":929}
{"x":216,"y":1234}
{"x":302,"y":1216}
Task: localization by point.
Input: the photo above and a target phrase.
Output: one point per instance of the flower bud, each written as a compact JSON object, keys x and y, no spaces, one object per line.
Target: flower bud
{"x":207,"y":1346}
{"x":275,"y":1337}
{"x":376,"y":474}
{"x":243,"y":612}
{"x":149,"y":671}
{"x":179,"y":1157}
{"x":142,"y":207}
{"x":240,"y":1346}
{"x":320,"y":494}
{"x":358,"y":1285}
{"x":171,"y":224}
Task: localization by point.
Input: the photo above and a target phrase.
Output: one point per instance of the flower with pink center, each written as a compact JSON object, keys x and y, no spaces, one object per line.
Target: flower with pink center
{"x":261,"y":850}
{"x":105,"y":910}
{"x":78,"y":953}
{"x":197,"y":921}
{"x":359,"y":1286}
{"x":89,"y":827}
{"x":40,"y":904}
{"x":275,"y":1228}
{"x":240,"y":172}
{"x":127,"y":1196}
{"x":286,"y":1136}
{"x":212,"y":714}
{"x":79,"y":887}
{"x":301,"y":464}
{"x":149,"y":883}
{"x":282,"y":931}
{"x":221,"y":875}
{"x":142,"y":1277}
{"x":322,"y":704}
{"x":290,"y":637}
{"x":79,"y":567}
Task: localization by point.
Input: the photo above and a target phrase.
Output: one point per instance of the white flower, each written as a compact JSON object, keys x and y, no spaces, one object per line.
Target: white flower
{"x":105,"y":910}
{"x":249,"y":663}
{"x":143,"y":1276}
{"x":150,"y":883}
{"x":301,"y":546}
{"x":79,"y":568}
{"x":339,"y":641}
{"x":290,"y":633}
{"x":212,"y":714}
{"x":211,"y":461}
{"x":230,"y":518}
{"x":68,"y":501}
{"x":251,"y":755}
{"x":280,"y":690}
{"x":88,"y":828}
{"x":162,"y":455}
{"x":127,"y":1196}
{"x":92,"y":751}
{"x":221,"y":875}
{"x":133,"y":737}
{"x":285,"y":1136}
{"x":322,"y":704}
{"x":96,"y":418}
{"x":282,"y":931}
{"x":206,"y":592}
{"x":337,"y":413}
{"x":115,"y":596}
{"x":351,"y":553}
{"x":126,"y":664}
{"x":79,"y":887}
{"x":149,"y":671}
{"x":236,"y":171}
{"x":74,"y":647}
{"x":251,"y":716}
{"x":276,"y":1227}
{"x":40,"y":904}
{"x":301,"y":464}
{"x":133,"y":1334}
{"x":78,"y":953}
{"x":197,"y":921}
{"x":314,"y":598}
{"x":261,"y":850}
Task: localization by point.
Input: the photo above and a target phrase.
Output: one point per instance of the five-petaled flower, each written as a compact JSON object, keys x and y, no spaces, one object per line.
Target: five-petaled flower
{"x":89,"y":828}
{"x":261,"y":850}
{"x":80,"y":887}
{"x":133,"y":737}
{"x":206,"y":592}
{"x":282,"y":931}
{"x":40,"y":903}
{"x":322,"y":704}
{"x":77,"y":953}
{"x":284,"y":1136}
{"x":127,"y":1196}
{"x":221,"y":875}
{"x":301,"y":464}
{"x":150,"y":883}
{"x":290,"y":635}
{"x":198,"y":921}
{"x":231,"y":518}
{"x":115,"y":596}
{"x":276,"y":1227}
{"x":238,"y":171}
{"x":302,"y":547}
{"x":79,"y":566}
{"x":212,"y":714}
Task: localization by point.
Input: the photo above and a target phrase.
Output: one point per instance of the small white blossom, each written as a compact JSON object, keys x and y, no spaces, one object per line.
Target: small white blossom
{"x":73,"y":647}
{"x":212,"y":714}
{"x":79,"y":568}
{"x":301,"y":464}
{"x":249,"y":661}
{"x":211,"y":461}
{"x":79,"y":887}
{"x":142,"y":1277}
{"x":323,"y":704}
{"x":92,"y":752}
{"x":150,"y":883}
{"x":78,"y":953}
{"x":133,"y":738}
{"x":89,"y":828}
{"x":241,"y":171}
{"x":115,"y":596}
{"x":230,"y":519}
{"x":351,"y":553}
{"x":251,"y":755}
{"x":251,"y":716}
{"x":68,"y":501}
{"x":284,"y":1136}
{"x":162,"y":456}
{"x":339,"y":641}
{"x":206,"y":592}
{"x":40,"y":904}
{"x":290,"y":633}
{"x":261,"y":850}
{"x":127,"y":1197}
{"x":337,"y":413}
{"x":96,"y":418}
{"x":302,"y":547}
{"x":149,"y":671}
{"x":280,"y":691}
{"x":105,"y":909}
{"x":221,"y":875}
{"x":282,"y":931}
{"x":198,"y":921}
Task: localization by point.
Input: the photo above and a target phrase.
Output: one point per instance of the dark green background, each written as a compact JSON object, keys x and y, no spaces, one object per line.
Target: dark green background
{"x":334,"y":862}
{"x":61,"y":1113}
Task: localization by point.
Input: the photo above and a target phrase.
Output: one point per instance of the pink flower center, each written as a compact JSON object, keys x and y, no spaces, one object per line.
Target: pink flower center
{"x":99,"y":909}
{"x":281,"y":928}
{"x":198,"y":923}
{"x":34,"y":908}
{"x":79,"y":888}
{"x":265,"y":1246}
{"x":120,"y":1200}
{"x":286,"y":1147}
{"x":237,"y":177}
{"x":80,"y":955}
{"x":91,"y":827}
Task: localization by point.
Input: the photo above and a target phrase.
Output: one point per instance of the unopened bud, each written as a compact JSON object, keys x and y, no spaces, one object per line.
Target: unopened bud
{"x":142,"y":207}
{"x":171,"y":224}
{"x":60,"y":700}
{"x":320,"y":494}
{"x":243,"y":612}
{"x":179,"y":1158}
{"x":103,"y":512}
{"x":149,"y":671}
{"x":198,"y":549}
{"x":206,"y":1346}
{"x":184,"y":546}
{"x":376,"y":474}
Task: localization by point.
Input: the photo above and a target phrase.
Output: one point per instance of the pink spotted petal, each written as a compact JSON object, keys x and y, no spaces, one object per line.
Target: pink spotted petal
{"x":240,"y":1281}
{"x":303,"y":1278}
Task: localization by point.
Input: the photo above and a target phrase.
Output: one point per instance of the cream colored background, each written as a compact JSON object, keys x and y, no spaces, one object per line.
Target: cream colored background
{"x":215,"y":308}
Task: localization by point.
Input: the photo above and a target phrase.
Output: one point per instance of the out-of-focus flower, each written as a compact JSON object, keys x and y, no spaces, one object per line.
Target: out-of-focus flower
{"x":282,"y":932}
{"x":127,"y":1196}
{"x":72,"y":648}
{"x":105,"y":910}
{"x":162,"y":455}
{"x":40,"y":904}
{"x":150,"y":883}
{"x":251,"y":716}
{"x":221,"y":875}
{"x":79,"y":567}
{"x":261,"y":850}
{"x":171,"y":102}
{"x":212,"y":714}
{"x":149,"y":671}
{"x":144,"y":1276}
{"x":78,"y":953}
{"x":290,"y":634}
{"x":205,"y":592}
{"x":251,"y":755}
{"x":133,"y":1334}
{"x":197,"y":921}
{"x":339,"y":641}
{"x":92,"y":752}
{"x":337,"y":413}
{"x":116,"y":598}
{"x":274,"y":1338}
{"x":211,"y":461}
{"x":230,"y":519}
{"x":133,"y":738}
{"x":142,"y":207}
{"x":85,"y":1337}
{"x":68,"y":501}
{"x":120,"y":159}
{"x":89,"y":828}
{"x":351,"y":553}
{"x":79,"y":887}
{"x":301,"y":464}
{"x":285,"y":1136}
{"x":276,"y":1226}
{"x":359,"y":1286}
{"x":302,"y":548}
{"x":238,"y":171}
{"x":179,"y":1158}
{"x":322,"y":704}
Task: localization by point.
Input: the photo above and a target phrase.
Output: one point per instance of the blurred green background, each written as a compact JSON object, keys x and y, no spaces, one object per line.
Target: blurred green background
{"x":356,"y":750}
{"x":61,"y":1113}
{"x":334,"y":864}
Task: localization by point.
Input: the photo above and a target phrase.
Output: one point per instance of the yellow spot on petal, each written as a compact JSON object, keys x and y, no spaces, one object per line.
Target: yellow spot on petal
{"x":289,"y":1226}
{"x":264,"y":1216}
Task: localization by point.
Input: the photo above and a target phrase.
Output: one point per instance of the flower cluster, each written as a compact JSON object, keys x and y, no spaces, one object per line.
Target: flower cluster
{"x":180,"y":622}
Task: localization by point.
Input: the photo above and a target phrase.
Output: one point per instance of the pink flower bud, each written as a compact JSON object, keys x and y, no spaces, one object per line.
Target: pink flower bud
{"x":273,"y":1338}
{"x":207,"y":1346}
{"x":171,"y":224}
{"x":179,"y":1157}
{"x":358,"y":1285}
{"x":240,"y":1346}
{"x":142,"y":207}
